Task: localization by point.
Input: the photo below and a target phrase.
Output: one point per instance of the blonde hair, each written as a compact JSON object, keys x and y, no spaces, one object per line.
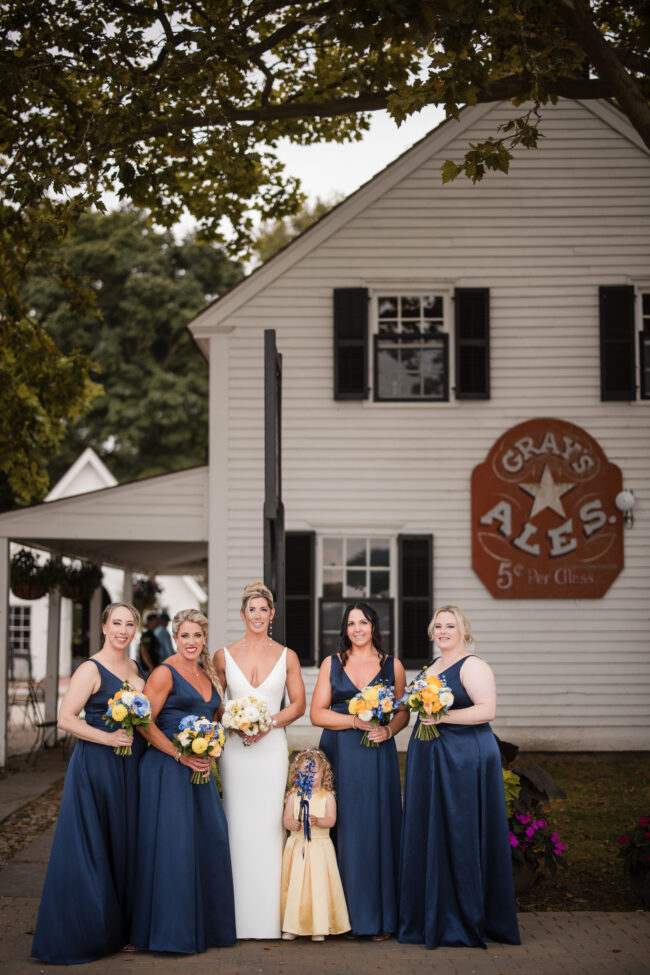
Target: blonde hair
{"x":196,"y":616}
{"x":322,"y":763}
{"x":254,"y":590}
{"x":461,"y":619}
{"x":106,"y":615}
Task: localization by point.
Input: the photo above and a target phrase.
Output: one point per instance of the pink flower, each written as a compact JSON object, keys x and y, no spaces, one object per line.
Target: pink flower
{"x":522,"y":819}
{"x":643,"y":821}
{"x":513,"y":840}
{"x":530,"y":832}
{"x":558,"y":849}
{"x":622,"y":840}
{"x":555,"y":838}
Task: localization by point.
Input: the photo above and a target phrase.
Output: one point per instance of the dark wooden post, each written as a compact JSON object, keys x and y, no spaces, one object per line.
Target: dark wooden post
{"x":273,"y":507}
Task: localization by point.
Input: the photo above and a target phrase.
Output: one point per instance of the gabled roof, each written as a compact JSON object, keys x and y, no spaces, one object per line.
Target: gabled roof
{"x":214,"y":317}
{"x":88,"y":473}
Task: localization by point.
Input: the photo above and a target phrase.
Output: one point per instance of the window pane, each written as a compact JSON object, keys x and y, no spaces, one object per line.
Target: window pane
{"x":379,"y":551}
{"x":332,"y":551}
{"x":387,"y":307}
{"x":432,"y":306}
{"x":329,"y":643}
{"x":432,"y":328}
{"x":388,"y":328}
{"x":356,"y":551}
{"x":355,"y":584}
{"x":410,"y":328}
{"x":380,"y":582}
{"x":333,"y":583}
{"x":410,"y":306}
{"x":384,"y":613}
{"x":332,"y":614}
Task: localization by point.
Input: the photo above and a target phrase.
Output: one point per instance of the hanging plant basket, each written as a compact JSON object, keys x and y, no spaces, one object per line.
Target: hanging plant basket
{"x":79,"y":579}
{"x":29,"y":590}
{"x":145,"y":593}
{"x":28,"y":578}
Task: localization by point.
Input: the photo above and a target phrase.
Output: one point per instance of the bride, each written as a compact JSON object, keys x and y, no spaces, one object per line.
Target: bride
{"x":253,"y":769}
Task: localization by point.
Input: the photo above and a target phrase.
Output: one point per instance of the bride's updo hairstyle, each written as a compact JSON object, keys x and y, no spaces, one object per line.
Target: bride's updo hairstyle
{"x":461,"y":619}
{"x":196,"y":616}
{"x":345,"y":644}
{"x":254,"y":590}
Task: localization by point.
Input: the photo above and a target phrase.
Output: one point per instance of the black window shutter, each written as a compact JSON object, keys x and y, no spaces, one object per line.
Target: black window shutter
{"x":617,"y":342}
{"x":300,"y":593}
{"x":350,"y":343}
{"x":472,"y":342}
{"x":644,"y":362}
{"x":415,"y":585}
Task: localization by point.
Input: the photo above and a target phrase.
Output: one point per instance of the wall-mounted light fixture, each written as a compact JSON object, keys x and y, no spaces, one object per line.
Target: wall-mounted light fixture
{"x":624,"y":501}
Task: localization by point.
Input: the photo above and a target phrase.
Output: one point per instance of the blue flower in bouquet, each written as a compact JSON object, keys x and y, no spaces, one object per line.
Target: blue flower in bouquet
{"x":304,"y":786}
{"x":141,"y":706}
{"x":188,"y":721}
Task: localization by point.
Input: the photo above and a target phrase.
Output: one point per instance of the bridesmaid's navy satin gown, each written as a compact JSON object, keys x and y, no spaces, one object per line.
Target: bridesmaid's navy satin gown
{"x":456,"y":884}
{"x":85,"y":910}
{"x":185,"y":900}
{"x":368,"y":796}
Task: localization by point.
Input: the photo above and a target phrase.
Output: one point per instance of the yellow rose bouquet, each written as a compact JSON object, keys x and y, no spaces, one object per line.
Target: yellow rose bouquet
{"x":128,"y":709}
{"x":429,"y":696}
{"x":199,"y":737}
{"x":374,"y":703}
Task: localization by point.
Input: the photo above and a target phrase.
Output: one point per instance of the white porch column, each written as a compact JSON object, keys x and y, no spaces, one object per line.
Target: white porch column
{"x":218,"y":486}
{"x":4,"y":647}
{"x":127,"y":590}
{"x":52,"y":663}
{"x":95,"y":635}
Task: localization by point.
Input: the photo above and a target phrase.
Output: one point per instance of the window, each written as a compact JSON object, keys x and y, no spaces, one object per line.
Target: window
{"x":412,"y":336}
{"x":411,"y":348}
{"x":617,"y":380}
{"x":20,"y":641}
{"x":644,"y":345}
{"x":354,"y":568}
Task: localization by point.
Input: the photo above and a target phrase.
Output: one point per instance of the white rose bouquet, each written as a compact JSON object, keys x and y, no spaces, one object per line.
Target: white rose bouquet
{"x":247,"y":714}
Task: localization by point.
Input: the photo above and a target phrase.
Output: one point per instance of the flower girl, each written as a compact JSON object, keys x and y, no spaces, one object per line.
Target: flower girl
{"x":313,"y":902}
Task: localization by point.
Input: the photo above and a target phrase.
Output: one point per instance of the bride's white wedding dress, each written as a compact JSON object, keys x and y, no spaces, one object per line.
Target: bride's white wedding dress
{"x":253,"y":779}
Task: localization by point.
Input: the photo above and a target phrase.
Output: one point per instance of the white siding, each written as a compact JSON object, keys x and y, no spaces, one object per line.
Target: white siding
{"x":571,"y":216}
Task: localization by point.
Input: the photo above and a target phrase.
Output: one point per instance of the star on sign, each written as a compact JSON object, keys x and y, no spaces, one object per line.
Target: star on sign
{"x":547,"y":493}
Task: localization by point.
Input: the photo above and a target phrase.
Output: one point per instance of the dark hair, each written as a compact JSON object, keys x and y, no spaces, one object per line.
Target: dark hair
{"x":345,"y":644}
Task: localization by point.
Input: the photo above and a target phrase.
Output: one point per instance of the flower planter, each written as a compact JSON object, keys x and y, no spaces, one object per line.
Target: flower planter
{"x":29,"y":590}
{"x":524,"y":876}
{"x":640,"y":881}
{"x":77,"y":591}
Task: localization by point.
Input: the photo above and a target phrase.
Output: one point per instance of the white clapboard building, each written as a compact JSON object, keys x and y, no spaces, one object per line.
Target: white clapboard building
{"x":466,"y":392}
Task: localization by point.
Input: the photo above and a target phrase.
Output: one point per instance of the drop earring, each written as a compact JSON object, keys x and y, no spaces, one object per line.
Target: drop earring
{"x":270,"y":632}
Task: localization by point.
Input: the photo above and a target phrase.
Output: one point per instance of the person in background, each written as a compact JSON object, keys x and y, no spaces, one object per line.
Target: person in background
{"x":164,"y":639}
{"x":149,"y":649}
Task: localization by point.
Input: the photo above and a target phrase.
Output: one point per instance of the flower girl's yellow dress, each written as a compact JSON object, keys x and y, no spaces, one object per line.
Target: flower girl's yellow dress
{"x":313,"y":902}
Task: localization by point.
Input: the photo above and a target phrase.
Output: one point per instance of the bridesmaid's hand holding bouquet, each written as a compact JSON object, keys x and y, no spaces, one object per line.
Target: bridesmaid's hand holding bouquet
{"x":198,"y":737}
{"x":429,"y":697}
{"x":375,"y":704}
{"x":127,"y":709}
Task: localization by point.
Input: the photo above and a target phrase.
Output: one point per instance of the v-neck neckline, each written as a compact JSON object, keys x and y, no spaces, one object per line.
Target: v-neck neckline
{"x":253,"y":686}
{"x":190,"y":684}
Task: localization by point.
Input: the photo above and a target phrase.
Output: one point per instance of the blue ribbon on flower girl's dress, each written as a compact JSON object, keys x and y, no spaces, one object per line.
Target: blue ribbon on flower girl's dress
{"x":305,"y":784}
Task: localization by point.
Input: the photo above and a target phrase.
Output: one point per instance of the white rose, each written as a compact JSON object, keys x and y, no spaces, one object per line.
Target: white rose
{"x":185,"y":738}
{"x":446,"y":698}
{"x":127,"y":698}
{"x":365,"y":716}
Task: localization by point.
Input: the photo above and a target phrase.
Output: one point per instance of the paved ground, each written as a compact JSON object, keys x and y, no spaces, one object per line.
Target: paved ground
{"x":579,"y":943}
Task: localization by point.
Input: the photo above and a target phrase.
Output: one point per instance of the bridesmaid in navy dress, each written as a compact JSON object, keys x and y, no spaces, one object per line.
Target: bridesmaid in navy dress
{"x":367,"y":779}
{"x":185,"y":900}
{"x":456,"y":884}
{"x":85,"y":910}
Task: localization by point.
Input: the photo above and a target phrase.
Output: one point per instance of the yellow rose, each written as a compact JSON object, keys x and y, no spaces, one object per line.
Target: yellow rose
{"x":118,"y":696}
{"x":428,"y":695}
{"x":357,"y":706}
{"x":215,"y":751}
{"x":414,"y":700}
{"x":433,"y":681}
{"x":387,"y":705}
{"x":372,"y":696}
{"x":119,"y":713}
{"x":199,"y":746}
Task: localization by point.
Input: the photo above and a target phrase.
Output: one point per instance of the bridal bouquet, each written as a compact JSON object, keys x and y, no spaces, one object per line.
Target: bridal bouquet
{"x":247,"y":714}
{"x":127,"y":708}
{"x":427,"y":695}
{"x":374,"y":703}
{"x":200,"y":737}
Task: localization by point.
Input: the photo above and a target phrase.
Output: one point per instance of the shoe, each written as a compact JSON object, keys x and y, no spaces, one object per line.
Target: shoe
{"x":318,"y":937}
{"x":287,"y":936}
{"x":381,"y":937}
